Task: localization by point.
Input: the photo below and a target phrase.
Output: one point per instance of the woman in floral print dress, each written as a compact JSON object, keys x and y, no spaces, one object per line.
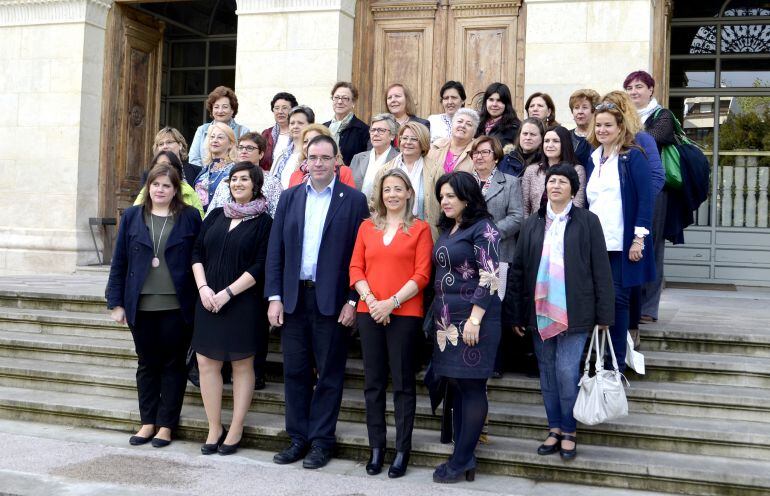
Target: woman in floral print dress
{"x":467,"y":313}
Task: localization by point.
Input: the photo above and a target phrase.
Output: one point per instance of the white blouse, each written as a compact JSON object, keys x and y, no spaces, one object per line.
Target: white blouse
{"x":375,"y":164}
{"x":603,"y":194}
{"x":440,"y":126}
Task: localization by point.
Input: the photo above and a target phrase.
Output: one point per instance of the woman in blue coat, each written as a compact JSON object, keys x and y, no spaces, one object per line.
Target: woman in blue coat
{"x":151,"y":289}
{"x":620,"y":193}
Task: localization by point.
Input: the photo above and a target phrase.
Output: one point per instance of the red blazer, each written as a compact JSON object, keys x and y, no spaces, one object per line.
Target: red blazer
{"x":388,"y":268}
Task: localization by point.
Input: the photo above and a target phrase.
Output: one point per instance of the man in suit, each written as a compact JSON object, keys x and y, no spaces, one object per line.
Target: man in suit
{"x":307,"y":283}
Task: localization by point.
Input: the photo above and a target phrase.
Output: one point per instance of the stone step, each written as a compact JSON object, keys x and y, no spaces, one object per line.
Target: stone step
{"x":641,"y":430}
{"x":49,"y":300}
{"x":689,"y":337}
{"x":46,"y":321}
{"x":598,"y":465}
{"x":63,"y":348}
{"x":707,"y":368}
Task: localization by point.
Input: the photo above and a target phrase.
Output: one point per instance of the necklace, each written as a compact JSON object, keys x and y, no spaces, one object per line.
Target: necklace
{"x":155,"y":248}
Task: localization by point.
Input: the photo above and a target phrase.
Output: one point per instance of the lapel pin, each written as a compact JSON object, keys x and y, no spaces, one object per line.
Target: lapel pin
{"x":341,"y":195}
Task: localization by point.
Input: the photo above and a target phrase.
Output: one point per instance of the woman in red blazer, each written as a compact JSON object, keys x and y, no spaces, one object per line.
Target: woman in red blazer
{"x":389,"y":269}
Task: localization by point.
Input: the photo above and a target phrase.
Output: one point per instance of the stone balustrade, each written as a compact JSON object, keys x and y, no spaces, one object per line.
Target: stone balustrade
{"x":742,"y":191}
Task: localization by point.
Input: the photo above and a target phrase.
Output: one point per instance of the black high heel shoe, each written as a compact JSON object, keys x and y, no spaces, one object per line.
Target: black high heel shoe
{"x":210,"y":449}
{"x":444,"y":474}
{"x":568,"y":455}
{"x":398,"y":467}
{"x":376,"y":459}
{"x":545,"y":449}
{"x":229,"y":449}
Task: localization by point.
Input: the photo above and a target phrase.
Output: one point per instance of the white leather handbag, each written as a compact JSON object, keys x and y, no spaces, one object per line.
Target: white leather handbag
{"x":601,"y":397}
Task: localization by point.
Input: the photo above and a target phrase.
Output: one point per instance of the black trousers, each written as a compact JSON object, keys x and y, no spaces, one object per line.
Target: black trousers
{"x":391,"y":349}
{"x":469,"y":410}
{"x":312,"y":407}
{"x":161,"y":339}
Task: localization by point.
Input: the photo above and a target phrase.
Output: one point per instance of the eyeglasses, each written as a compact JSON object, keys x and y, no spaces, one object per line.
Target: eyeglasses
{"x":167,"y":143}
{"x":606,"y":106}
{"x":344,"y":99}
{"x":407,"y":139}
{"x":247,"y":148}
{"x":281,"y":109}
{"x":480,"y":153}
{"x":324,"y":159}
{"x":378,"y":130}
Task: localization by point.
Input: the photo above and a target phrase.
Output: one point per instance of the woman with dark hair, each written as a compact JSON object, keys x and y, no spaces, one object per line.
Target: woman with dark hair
{"x":541,"y":106}
{"x":400,"y":102}
{"x":277,"y":136}
{"x":188,"y":193}
{"x":251,"y":148}
{"x":557,"y":150}
{"x":222,"y":105}
{"x":229,"y":266}
{"x":498,"y":117}
{"x":452,"y":96}
{"x":466,"y":309}
{"x":619,"y":192}
{"x":560,"y":286}
{"x":659,"y":123}
{"x":287,"y":162}
{"x":150,"y":288}
{"x":350,"y":133}
{"x":389,"y":269}
{"x":528,"y":149}
{"x":169,"y":139}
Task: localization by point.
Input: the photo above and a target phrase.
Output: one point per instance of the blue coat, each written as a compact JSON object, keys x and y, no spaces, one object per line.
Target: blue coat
{"x":133,"y":256}
{"x":348,"y":208}
{"x":636,"y":194}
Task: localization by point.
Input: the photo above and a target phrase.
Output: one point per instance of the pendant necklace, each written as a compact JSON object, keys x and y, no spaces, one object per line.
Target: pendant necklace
{"x":155,"y":248}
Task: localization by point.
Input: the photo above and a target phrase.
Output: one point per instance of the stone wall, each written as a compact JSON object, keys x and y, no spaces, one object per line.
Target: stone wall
{"x":50,"y":97}
{"x":584,"y":44}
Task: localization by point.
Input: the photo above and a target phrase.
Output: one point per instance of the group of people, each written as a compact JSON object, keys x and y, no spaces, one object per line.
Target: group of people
{"x":475,"y":225}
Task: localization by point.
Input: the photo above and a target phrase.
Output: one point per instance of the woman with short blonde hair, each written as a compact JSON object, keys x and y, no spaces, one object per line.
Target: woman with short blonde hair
{"x":219,"y":157}
{"x":169,"y":139}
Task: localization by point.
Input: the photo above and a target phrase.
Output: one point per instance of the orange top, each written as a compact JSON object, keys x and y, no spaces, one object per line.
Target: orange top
{"x":388,"y":268}
{"x":346,"y":176}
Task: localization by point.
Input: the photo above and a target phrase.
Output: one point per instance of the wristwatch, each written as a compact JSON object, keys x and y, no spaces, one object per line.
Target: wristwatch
{"x":365,"y":295}
{"x":352,"y":303}
{"x":474,"y":321}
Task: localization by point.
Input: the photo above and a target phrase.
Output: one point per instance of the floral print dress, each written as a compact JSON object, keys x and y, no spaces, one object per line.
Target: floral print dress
{"x":467,"y":274}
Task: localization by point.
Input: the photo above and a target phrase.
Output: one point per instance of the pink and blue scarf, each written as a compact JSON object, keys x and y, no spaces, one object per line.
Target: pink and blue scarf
{"x":550,"y":288}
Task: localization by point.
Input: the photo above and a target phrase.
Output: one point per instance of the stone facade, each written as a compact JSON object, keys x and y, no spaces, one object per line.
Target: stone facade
{"x":50,"y":96}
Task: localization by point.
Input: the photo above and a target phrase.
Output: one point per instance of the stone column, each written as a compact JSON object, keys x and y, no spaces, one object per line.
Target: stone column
{"x":573,"y":44}
{"x":50,"y":96}
{"x":299,"y":46}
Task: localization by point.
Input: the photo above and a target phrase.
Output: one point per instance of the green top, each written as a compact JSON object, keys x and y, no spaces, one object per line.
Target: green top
{"x":158,"y":291}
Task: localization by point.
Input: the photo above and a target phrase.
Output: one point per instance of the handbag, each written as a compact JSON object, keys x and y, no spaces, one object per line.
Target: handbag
{"x":670,"y":156}
{"x":601,"y":397}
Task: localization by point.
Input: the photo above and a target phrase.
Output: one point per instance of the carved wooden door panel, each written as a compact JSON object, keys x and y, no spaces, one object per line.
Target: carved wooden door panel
{"x":130,"y":106}
{"x":424,"y":43}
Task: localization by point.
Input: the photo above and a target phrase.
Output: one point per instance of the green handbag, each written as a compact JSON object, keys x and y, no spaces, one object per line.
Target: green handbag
{"x":670,"y":156}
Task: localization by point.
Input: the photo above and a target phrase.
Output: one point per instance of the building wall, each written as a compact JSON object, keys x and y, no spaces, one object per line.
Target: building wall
{"x":584,"y":44}
{"x":50,"y":96}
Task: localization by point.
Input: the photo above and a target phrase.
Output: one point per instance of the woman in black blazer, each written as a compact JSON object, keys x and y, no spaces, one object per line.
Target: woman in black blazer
{"x":350,"y":133}
{"x":560,"y":285}
{"x":151,"y":289}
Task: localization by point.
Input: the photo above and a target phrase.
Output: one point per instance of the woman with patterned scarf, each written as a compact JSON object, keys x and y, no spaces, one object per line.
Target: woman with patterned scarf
{"x":229,"y":266}
{"x":277,"y":136}
{"x":560,"y":285}
{"x":350,"y":133}
{"x":219,"y":158}
{"x":288,"y":161}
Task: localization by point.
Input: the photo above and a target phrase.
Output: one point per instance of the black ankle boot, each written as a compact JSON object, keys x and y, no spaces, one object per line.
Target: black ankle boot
{"x":398,"y":467}
{"x":376,"y":459}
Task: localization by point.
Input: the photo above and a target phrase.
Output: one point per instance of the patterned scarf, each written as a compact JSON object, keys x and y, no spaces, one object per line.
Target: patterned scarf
{"x":550,"y":289}
{"x":647,"y":111}
{"x":336,"y":127}
{"x":448,"y":123}
{"x":490,"y":124}
{"x":484,"y":183}
{"x":275,"y":132}
{"x":283,"y":159}
{"x":245,"y":211}
{"x":207,"y":181}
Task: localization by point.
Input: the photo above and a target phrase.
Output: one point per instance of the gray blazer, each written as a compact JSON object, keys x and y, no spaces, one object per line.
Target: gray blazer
{"x":504,"y":203}
{"x":360,"y":162}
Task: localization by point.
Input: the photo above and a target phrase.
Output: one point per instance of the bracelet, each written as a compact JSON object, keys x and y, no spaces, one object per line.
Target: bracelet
{"x":395,"y":300}
{"x":638,"y":241}
{"x":203,"y":286}
{"x":364,"y":296}
{"x":229,"y":292}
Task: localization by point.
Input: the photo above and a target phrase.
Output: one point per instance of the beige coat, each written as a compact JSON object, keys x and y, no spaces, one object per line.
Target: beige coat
{"x":431,"y":171}
{"x":439,"y":149}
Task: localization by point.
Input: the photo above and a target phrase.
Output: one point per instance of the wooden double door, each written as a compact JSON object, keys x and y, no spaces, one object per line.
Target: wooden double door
{"x":423,"y":43}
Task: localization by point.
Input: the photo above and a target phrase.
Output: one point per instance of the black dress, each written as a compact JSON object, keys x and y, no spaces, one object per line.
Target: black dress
{"x":467,"y":274}
{"x":232,"y":333}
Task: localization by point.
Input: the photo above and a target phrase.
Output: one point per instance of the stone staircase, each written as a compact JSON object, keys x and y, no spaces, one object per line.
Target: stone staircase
{"x":699,"y":421}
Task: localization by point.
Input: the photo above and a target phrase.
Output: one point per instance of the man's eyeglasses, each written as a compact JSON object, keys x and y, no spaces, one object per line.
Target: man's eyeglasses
{"x":324,"y":159}
{"x":344,"y":99}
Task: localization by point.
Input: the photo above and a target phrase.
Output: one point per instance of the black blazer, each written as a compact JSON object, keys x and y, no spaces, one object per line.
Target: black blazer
{"x":348,"y":208}
{"x":505,"y":134}
{"x":587,"y":273}
{"x":133,"y":255}
{"x":353,"y":139}
{"x":424,"y":122}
